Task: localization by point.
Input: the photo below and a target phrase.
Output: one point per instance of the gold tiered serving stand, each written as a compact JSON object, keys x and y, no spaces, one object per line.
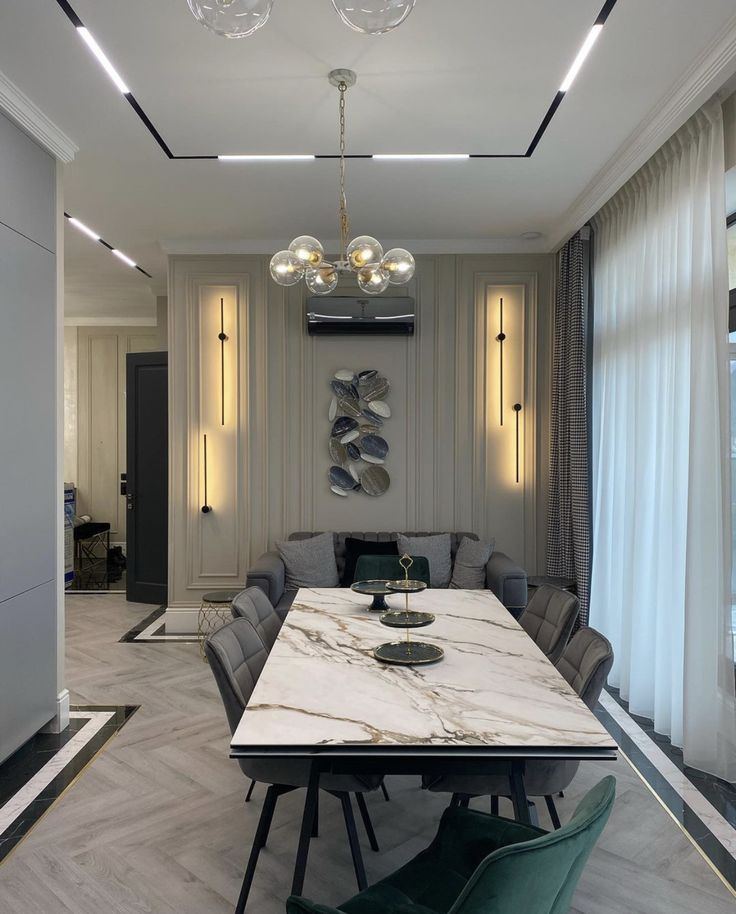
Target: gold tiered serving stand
{"x":407,"y":652}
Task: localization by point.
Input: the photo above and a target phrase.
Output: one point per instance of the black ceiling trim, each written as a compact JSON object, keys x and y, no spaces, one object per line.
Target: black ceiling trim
{"x":149,"y":125}
{"x":110,"y":247}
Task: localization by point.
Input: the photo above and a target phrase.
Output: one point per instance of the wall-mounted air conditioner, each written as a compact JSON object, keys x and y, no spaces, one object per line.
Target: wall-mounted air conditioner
{"x":345,"y":315}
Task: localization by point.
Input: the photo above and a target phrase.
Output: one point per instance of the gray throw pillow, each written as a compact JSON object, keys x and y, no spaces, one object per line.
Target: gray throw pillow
{"x":436,"y":549}
{"x":309,"y":563}
{"x":469,"y":572}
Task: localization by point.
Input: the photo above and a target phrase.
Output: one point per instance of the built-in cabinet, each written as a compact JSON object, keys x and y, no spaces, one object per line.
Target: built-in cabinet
{"x":30,"y":505}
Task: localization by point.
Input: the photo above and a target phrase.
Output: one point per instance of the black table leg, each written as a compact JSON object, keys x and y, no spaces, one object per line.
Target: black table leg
{"x":310,"y":807}
{"x":518,"y":792}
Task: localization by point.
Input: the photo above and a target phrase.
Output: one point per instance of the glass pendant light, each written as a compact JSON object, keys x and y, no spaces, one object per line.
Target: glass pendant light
{"x":400,"y":266}
{"x":231,"y":18}
{"x":373,"y":17}
{"x":363,"y":256}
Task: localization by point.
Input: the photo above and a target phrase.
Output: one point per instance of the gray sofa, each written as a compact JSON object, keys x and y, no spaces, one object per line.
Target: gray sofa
{"x":503,"y":576}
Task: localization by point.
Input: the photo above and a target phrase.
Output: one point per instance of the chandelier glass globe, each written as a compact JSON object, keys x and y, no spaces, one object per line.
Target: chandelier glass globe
{"x":286,"y":269}
{"x":373,"y":280}
{"x":373,"y":17}
{"x":321,"y":280}
{"x":307,"y":250}
{"x":231,"y":18}
{"x":400,"y":266}
{"x":364,"y":251}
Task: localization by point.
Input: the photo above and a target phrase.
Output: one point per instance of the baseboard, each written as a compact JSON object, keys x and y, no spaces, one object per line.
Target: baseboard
{"x":181,"y":620}
{"x":61,"y":720}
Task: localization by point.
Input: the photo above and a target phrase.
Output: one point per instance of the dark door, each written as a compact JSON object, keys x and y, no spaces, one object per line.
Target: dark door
{"x":147,"y":484}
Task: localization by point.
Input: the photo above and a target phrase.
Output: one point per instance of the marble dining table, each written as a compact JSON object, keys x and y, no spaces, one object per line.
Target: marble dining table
{"x":493,"y":701}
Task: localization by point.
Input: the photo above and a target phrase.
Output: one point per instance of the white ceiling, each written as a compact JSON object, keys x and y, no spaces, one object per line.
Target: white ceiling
{"x":480,"y":82}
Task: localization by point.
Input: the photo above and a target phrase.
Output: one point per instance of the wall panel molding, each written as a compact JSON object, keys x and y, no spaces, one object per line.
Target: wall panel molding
{"x":444,"y":472}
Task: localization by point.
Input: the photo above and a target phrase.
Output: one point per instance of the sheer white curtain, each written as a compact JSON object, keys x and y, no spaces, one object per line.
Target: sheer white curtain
{"x":660,"y":585}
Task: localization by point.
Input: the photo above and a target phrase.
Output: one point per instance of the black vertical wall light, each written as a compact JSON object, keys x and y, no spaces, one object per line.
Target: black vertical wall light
{"x":205,"y":507}
{"x":517,"y":410}
{"x":501,"y":336}
{"x":222,"y":337}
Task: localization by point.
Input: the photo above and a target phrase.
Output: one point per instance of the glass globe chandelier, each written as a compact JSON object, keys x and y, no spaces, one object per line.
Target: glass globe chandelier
{"x":240,"y":18}
{"x":362,"y":256}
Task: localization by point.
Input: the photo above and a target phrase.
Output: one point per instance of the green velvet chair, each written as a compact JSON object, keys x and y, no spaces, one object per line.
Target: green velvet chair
{"x":387,"y":568}
{"x":482,"y":864}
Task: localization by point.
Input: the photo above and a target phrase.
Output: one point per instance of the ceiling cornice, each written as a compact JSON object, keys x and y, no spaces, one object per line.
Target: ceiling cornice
{"x":715,"y":66}
{"x":208,"y":246}
{"x":30,"y":118}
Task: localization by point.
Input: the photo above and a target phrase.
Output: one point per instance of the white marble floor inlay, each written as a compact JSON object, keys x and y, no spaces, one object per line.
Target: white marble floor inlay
{"x":700,"y":805}
{"x":33,"y":788}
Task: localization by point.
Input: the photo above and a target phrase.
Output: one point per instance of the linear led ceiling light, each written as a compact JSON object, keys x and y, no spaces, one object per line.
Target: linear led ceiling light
{"x":237,"y":18}
{"x":264,"y":158}
{"x":424,"y":155}
{"x":580,"y":59}
{"x":91,"y":233}
{"x":103,"y":59}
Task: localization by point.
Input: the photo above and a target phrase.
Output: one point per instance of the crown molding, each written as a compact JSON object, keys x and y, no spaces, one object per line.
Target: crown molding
{"x":195,"y":247}
{"x":30,"y":118}
{"x":707,"y":75}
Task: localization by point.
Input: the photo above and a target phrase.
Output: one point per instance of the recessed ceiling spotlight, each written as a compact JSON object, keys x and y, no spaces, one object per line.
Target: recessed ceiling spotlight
{"x":531,"y":236}
{"x":103,"y":59}
{"x":580,"y":59}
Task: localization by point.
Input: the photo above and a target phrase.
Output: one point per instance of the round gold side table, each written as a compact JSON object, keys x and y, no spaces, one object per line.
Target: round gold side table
{"x":214,"y":612}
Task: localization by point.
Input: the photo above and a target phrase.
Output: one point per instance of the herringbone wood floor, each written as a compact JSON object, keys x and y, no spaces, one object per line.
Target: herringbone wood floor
{"x":157,"y":822}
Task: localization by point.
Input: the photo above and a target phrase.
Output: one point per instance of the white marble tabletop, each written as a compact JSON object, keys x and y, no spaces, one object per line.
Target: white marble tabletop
{"x":493,"y":694}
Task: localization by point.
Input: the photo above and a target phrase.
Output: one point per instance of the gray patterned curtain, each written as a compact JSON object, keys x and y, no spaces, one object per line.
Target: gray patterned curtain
{"x":568,"y":518}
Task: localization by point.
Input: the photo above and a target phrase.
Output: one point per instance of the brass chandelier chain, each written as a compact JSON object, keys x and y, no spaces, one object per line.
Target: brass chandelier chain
{"x":344,"y":222}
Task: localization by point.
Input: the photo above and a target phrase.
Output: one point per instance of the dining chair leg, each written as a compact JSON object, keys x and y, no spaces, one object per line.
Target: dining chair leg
{"x":518,"y":793}
{"x":386,"y":797}
{"x":552,"y":809}
{"x":315,"y":821}
{"x":455,"y":800}
{"x":259,"y":842}
{"x":310,"y":806}
{"x":250,"y":791}
{"x":347,"y":811}
{"x":465,"y":801}
{"x":365,"y":815}
{"x":494,"y":806}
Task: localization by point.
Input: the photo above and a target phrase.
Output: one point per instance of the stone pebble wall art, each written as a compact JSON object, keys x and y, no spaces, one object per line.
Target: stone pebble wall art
{"x":358,"y":450}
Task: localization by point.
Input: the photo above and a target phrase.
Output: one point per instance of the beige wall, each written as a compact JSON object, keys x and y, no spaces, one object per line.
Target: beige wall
{"x":452,"y":466}
{"x":94,"y":416}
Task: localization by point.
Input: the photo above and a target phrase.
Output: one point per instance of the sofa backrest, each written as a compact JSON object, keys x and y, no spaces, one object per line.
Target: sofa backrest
{"x":340,"y":538}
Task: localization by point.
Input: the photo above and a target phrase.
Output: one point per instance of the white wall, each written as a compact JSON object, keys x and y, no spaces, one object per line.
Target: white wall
{"x":452,"y":466}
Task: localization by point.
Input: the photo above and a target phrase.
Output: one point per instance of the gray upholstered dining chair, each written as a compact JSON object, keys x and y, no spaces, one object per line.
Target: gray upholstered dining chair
{"x":253,"y":604}
{"x":585,"y":664}
{"x":549,"y":619}
{"x":236,"y":656}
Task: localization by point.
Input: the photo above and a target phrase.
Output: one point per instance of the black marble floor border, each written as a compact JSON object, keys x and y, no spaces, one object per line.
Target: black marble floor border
{"x":720,"y":794}
{"x":709,"y":845}
{"x":40,"y":750}
{"x":143,"y":624}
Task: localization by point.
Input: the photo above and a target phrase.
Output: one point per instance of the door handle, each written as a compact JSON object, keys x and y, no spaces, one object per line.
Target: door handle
{"x":130,"y":501}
